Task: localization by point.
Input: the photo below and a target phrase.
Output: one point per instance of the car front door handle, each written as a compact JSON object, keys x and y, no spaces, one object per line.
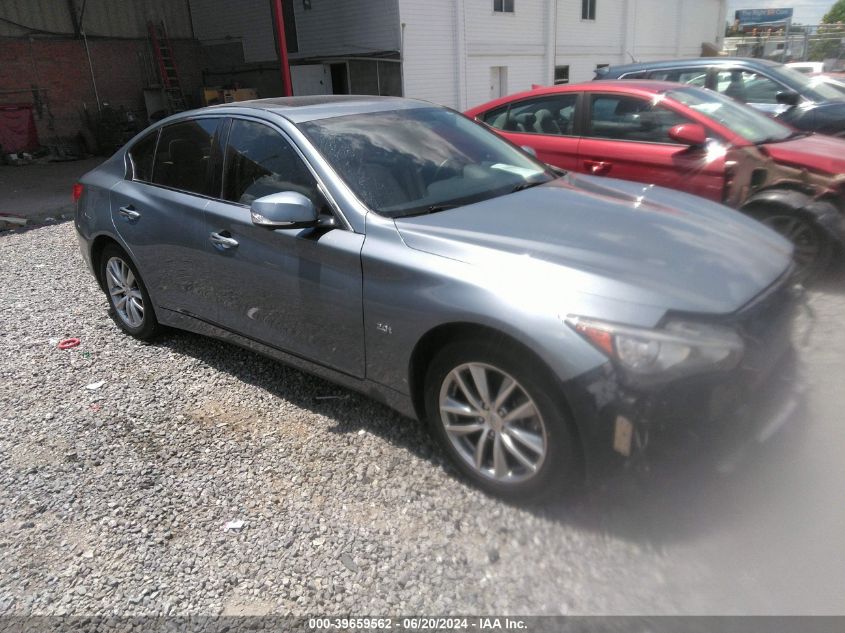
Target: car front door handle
{"x":598,"y":167}
{"x":129,"y":213}
{"x":223,"y":241}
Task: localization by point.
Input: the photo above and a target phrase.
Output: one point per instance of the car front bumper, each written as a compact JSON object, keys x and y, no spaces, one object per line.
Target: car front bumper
{"x":622,"y":426}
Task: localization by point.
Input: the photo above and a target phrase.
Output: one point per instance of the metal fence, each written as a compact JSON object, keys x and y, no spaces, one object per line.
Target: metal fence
{"x":818,"y":43}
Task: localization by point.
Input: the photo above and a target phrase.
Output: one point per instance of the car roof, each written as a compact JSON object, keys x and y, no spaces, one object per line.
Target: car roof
{"x":310,"y":108}
{"x":685,"y":62}
{"x":629,"y":86}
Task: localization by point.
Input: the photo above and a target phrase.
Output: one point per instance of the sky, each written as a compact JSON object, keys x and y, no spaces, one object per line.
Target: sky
{"x":806,"y":11}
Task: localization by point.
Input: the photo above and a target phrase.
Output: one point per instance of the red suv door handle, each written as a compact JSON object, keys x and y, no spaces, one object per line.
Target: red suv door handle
{"x":598,"y":167}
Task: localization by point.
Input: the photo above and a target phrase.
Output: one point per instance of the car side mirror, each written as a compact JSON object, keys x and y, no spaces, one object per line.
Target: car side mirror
{"x":788,"y":97}
{"x":284,"y":210}
{"x":691,"y":134}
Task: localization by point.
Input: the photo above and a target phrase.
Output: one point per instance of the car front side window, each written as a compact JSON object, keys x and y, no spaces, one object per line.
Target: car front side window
{"x":183,"y":154}
{"x":624,"y":118}
{"x":260,"y":162}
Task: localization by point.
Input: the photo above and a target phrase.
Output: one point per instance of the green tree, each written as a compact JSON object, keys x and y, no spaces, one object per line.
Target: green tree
{"x":836,"y":13}
{"x":828,"y":42}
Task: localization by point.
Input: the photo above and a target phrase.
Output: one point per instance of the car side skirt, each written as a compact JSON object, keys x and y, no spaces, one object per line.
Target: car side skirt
{"x":395,"y":400}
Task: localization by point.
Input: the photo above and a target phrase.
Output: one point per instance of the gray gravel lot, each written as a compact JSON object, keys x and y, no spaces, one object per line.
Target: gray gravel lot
{"x":113,"y":500}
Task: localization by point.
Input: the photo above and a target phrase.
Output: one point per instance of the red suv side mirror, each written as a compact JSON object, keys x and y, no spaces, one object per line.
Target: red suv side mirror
{"x":691,"y":134}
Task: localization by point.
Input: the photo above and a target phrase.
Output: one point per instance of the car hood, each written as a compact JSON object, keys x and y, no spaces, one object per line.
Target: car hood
{"x":816,"y":152}
{"x":826,"y":116}
{"x":616,"y":239}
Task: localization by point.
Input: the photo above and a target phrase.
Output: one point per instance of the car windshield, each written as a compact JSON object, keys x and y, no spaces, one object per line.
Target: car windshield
{"x":740,"y":119}
{"x":422,"y":160}
{"x":808,"y":87}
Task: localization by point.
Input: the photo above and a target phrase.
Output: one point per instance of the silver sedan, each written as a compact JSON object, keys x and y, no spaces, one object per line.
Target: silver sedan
{"x":544,"y":324}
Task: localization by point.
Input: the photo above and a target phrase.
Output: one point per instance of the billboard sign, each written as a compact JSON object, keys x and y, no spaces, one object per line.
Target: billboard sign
{"x":762,"y":19}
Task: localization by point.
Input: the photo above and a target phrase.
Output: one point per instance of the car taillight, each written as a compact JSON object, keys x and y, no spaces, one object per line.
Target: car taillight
{"x":77,"y":191}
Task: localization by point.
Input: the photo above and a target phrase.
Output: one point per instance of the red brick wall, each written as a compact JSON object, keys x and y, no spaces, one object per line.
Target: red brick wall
{"x":61,"y":67}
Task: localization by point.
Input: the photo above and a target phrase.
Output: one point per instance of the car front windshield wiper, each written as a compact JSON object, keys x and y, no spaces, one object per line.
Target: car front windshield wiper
{"x":434,"y":208}
{"x":527,"y":185}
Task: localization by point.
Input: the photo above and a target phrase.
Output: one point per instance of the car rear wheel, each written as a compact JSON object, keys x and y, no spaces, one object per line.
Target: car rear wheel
{"x":813,"y":249}
{"x":496,"y":415}
{"x":130,"y":304}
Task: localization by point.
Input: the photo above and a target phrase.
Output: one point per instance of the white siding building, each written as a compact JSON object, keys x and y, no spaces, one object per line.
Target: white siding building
{"x":461,"y":52}
{"x":464,"y":52}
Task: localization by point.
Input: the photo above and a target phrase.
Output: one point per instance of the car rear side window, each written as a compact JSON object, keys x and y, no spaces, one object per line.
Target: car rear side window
{"x":552,"y":115}
{"x":747,"y":87}
{"x":141,"y":158}
{"x":691,"y":76}
{"x":183,"y":155}
{"x":624,"y":118}
{"x":259,"y":162}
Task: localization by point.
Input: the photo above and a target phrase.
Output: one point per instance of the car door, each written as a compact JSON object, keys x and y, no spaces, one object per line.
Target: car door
{"x":547,"y":124}
{"x":159,"y":211}
{"x":752,"y":88}
{"x":627,"y":137}
{"x":297,"y":290}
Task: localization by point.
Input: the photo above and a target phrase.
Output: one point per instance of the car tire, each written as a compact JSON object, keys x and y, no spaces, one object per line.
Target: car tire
{"x":129,"y":302}
{"x":557,"y":459}
{"x":813,"y":248}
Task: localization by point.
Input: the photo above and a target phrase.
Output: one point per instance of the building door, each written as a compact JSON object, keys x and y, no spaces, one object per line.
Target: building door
{"x":498,"y":81}
{"x":310,"y":79}
{"x":340,"y":78}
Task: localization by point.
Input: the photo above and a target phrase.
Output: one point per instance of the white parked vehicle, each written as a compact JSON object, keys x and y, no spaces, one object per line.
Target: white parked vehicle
{"x":808,"y":68}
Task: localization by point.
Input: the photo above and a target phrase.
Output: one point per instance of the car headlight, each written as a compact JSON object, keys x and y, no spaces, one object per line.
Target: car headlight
{"x":679,"y":348}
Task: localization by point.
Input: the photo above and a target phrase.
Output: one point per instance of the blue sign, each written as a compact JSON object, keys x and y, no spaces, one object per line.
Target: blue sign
{"x":763,"y":18}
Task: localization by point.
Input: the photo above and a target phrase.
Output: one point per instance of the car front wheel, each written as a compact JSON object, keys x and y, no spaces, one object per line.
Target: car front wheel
{"x":130,"y":304}
{"x":813,"y":249}
{"x":494,"y":411}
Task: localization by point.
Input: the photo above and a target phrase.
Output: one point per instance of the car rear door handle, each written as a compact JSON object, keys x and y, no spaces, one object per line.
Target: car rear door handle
{"x":223,"y":241}
{"x":598,"y":167}
{"x":129,"y":213}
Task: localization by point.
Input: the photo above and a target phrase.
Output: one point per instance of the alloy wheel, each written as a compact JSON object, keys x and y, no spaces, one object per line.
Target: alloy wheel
{"x":126,"y":296}
{"x":493,"y":423}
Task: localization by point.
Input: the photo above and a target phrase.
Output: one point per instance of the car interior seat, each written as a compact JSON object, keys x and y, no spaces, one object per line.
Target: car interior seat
{"x":544,"y":123}
{"x":525,"y":121}
{"x":190,"y":165}
{"x":736,"y":89}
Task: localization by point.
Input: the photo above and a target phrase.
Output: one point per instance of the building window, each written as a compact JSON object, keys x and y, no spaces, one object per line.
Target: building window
{"x":588,"y":9}
{"x":503,"y":6}
{"x":561,"y":75}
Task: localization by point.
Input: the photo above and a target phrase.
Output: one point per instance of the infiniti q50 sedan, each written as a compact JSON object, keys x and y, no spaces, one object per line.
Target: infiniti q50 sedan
{"x":544,"y":324}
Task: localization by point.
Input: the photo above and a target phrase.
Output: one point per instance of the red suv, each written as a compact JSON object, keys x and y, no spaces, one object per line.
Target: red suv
{"x":690,"y":139}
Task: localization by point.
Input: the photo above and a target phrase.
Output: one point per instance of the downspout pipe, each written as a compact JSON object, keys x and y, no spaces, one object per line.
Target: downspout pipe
{"x":79,"y":24}
{"x":551,"y":41}
{"x":461,"y":50}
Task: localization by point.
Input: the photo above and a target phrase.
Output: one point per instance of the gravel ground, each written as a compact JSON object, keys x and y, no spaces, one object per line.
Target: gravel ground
{"x":114,"y":500}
